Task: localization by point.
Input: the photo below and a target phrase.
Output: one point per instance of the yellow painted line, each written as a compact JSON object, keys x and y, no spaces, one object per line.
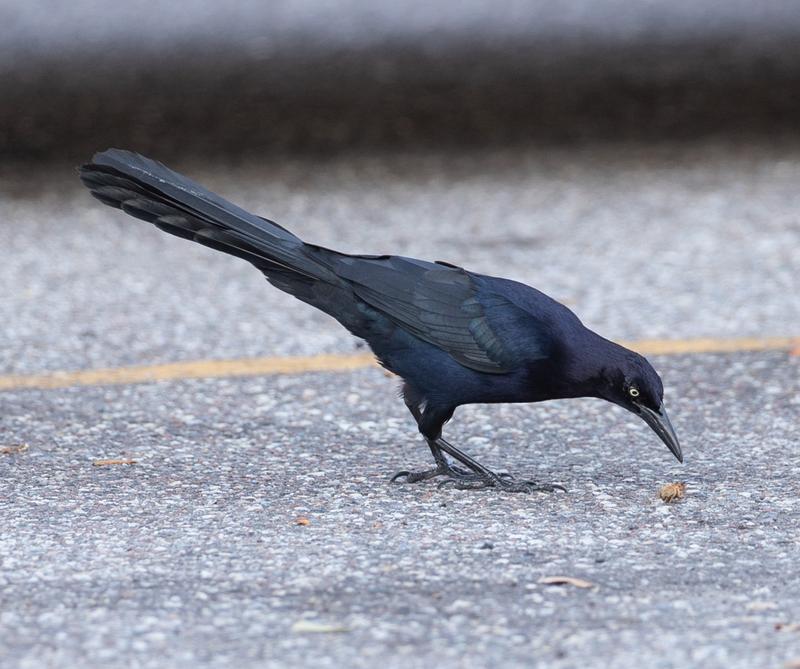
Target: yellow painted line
{"x":199,"y":369}
{"x":711,"y":345}
{"x":207,"y":369}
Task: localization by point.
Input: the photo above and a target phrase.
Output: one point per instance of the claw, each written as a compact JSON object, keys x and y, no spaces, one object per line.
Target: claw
{"x":414,"y":477}
{"x":475,"y":477}
{"x":460,"y":470}
{"x":472,"y":476}
{"x":453,"y":474}
{"x":506,"y":483}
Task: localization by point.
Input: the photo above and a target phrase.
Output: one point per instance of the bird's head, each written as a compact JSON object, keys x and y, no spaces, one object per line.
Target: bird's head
{"x":632,"y":383}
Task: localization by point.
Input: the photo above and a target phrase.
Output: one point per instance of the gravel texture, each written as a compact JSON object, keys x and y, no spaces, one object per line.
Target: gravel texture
{"x":193,"y":556}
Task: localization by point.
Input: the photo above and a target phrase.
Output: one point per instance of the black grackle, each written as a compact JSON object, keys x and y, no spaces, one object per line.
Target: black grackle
{"x":453,"y":336}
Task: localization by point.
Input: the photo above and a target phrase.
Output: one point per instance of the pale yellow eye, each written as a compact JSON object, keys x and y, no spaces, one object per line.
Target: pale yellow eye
{"x":634,"y":392}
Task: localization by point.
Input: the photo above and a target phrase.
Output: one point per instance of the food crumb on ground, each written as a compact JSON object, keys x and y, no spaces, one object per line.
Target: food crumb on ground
{"x":672,"y":492}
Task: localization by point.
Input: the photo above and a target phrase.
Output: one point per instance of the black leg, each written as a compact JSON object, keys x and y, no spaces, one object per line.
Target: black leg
{"x":443,"y":468}
{"x":425,"y":420}
{"x":475,"y":477}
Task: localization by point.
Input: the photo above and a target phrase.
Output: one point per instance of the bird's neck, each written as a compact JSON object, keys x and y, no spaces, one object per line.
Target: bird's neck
{"x":587,"y":364}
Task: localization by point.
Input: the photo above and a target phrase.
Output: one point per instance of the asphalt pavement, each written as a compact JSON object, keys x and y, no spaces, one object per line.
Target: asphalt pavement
{"x":256,"y":525}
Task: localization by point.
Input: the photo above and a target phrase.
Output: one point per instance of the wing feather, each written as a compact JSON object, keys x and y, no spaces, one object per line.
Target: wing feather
{"x":440,"y":304}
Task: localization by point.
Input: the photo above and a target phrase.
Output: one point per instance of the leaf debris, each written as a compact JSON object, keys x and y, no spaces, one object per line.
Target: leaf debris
{"x":311,"y":627}
{"x":566,"y":580}
{"x":13,"y":449}
{"x":787,"y":627}
{"x":761,"y":606}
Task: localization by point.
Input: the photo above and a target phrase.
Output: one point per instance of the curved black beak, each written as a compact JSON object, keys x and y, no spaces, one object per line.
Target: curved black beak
{"x":659,"y":421}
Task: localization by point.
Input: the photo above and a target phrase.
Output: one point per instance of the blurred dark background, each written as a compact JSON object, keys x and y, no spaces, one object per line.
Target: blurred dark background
{"x":529,"y":140}
{"x":247,"y":77}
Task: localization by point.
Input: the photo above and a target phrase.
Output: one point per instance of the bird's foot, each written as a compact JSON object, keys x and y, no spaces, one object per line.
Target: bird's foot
{"x":504,"y":482}
{"x":452,"y":472}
